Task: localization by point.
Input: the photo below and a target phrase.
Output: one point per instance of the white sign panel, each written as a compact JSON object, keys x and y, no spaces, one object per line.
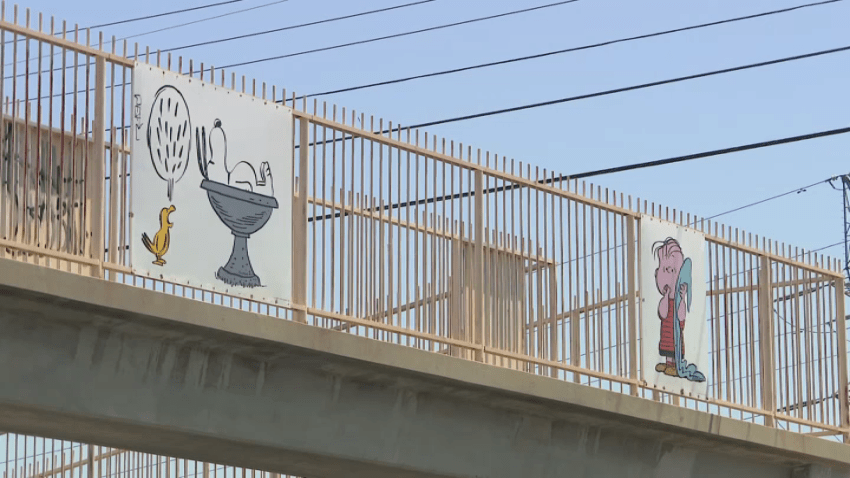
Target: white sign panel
{"x":211,"y":176}
{"x":672,"y":284}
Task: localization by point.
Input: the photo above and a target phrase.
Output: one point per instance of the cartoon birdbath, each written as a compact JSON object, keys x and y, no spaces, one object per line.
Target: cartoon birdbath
{"x":239,"y":207}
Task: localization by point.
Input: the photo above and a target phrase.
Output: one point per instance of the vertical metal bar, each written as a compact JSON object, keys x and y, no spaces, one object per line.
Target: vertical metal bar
{"x":51,"y":215}
{"x":24,"y":225}
{"x":13,"y":149}
{"x":114,"y":174}
{"x":631,"y":259}
{"x":766,"y":341}
{"x":5,"y":155}
{"x":477,"y":318}
{"x":95,"y":177}
{"x":843,"y":387}
{"x":123,"y":163}
{"x":299,"y":226}
{"x":39,"y":224}
{"x":90,"y":462}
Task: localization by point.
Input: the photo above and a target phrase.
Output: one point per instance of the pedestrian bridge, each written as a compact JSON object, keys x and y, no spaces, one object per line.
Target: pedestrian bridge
{"x":453,"y":313}
{"x":93,"y":361}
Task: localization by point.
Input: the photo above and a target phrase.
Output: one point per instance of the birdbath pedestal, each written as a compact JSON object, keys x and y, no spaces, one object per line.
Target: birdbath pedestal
{"x":244,"y":213}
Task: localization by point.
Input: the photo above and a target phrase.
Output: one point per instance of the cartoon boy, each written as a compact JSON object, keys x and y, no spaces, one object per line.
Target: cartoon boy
{"x":673,"y":279}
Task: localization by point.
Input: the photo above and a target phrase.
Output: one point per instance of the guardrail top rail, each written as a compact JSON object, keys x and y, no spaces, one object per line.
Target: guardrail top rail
{"x":402,"y":236}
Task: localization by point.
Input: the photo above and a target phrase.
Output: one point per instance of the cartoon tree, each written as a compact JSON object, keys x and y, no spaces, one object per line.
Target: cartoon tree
{"x":169,"y":135}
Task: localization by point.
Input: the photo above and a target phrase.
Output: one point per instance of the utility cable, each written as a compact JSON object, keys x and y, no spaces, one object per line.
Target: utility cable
{"x":635,"y":87}
{"x":716,"y":152}
{"x":215,"y":17}
{"x":300,"y":25}
{"x":798,"y":190}
{"x":290,"y":27}
{"x":398,"y":35}
{"x":570,"y":50}
{"x":165,"y":14}
{"x":148,"y":17}
{"x":585,"y":96}
{"x":647,"y":164}
{"x":484,"y":65}
{"x":793,"y":191}
{"x":598,"y":94}
{"x":171,"y":27}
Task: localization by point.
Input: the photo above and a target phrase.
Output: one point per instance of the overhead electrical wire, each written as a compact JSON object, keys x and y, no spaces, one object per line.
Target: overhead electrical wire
{"x":646,"y":164}
{"x":739,"y":208}
{"x":290,"y":27}
{"x":403,"y":34}
{"x":623,"y":90}
{"x":635,"y":87}
{"x":618,"y":90}
{"x":762,"y":201}
{"x":171,"y":27}
{"x":193,"y":22}
{"x":300,"y":25}
{"x":570,"y":50}
{"x":716,"y":152}
{"x":827,"y":247}
{"x":165,"y":14}
{"x":148,"y":17}
{"x":456,"y":70}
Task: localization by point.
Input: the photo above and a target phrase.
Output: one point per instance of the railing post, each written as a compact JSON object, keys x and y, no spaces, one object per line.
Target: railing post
{"x":575,"y":338}
{"x":765,"y":303}
{"x":843,"y":389}
{"x":96,"y":175}
{"x":553,"y":318}
{"x":631,"y":300}
{"x":90,"y":462}
{"x":477,"y":317}
{"x":299,"y":225}
{"x":456,"y":289}
{"x":115,"y":221}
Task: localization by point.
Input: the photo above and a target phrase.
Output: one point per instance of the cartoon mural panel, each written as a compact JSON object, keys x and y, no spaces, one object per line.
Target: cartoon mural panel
{"x":211,"y":169}
{"x":674,"y":331}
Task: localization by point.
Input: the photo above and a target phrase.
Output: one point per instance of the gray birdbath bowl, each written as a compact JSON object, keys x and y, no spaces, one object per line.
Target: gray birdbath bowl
{"x":245,"y":213}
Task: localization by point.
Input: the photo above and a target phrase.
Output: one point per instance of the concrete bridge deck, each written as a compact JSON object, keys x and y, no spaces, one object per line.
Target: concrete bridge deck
{"x":105,"y":363}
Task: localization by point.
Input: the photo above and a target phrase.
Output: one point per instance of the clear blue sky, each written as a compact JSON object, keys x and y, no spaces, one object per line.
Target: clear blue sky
{"x":694,"y":116}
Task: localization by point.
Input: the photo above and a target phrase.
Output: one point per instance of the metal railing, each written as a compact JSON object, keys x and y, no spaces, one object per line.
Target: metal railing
{"x":23,"y":456}
{"x":405,"y":237}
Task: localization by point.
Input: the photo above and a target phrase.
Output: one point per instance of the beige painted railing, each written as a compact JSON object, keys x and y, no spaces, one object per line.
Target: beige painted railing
{"x":37,"y":457}
{"x":405,"y":237}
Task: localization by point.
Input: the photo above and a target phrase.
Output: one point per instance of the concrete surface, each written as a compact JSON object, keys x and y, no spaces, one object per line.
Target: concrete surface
{"x":109,"y":364}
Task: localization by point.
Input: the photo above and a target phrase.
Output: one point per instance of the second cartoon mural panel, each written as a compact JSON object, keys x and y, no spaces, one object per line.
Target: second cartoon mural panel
{"x":674,"y":333}
{"x":211,"y":186}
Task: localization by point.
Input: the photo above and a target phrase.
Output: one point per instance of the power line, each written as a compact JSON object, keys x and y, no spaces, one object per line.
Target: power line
{"x":716,"y":152}
{"x":397,"y":35}
{"x":157,"y":15}
{"x":573,"y":98}
{"x":148,"y":17}
{"x":301,"y":25}
{"x":635,"y":87}
{"x":598,"y":94}
{"x":180,"y":25}
{"x":797,"y":190}
{"x":172,"y":27}
{"x":647,"y":164}
{"x":826,"y":247}
{"x":570,"y":50}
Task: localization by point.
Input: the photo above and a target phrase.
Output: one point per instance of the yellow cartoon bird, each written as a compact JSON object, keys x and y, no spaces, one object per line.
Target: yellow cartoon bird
{"x":159,"y":245}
